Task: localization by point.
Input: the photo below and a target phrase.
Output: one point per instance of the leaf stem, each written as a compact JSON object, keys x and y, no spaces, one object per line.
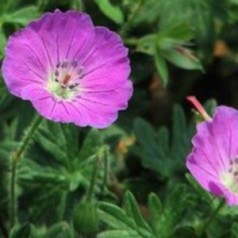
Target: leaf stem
{"x":15,"y":159}
{"x":212,"y":217}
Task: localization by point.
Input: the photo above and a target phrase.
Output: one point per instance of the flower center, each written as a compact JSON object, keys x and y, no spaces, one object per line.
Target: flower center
{"x":64,"y":82}
{"x":229,"y":178}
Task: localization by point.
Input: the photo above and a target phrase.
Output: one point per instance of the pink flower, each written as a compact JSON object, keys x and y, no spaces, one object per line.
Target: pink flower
{"x":214,"y":158}
{"x":69,"y":69}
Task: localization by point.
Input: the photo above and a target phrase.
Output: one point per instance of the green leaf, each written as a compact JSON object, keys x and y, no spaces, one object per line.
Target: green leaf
{"x":185,"y":232}
{"x":115,"y":217}
{"x":60,"y":230}
{"x":147,"y":44}
{"x":183,"y":58}
{"x":3,"y":40}
{"x":90,"y":145}
{"x":210,"y":106}
{"x":133,"y":210}
{"x":23,"y":231}
{"x":173,"y":211}
{"x":160,"y":152}
{"x":118,"y":234}
{"x":129,"y":220}
{"x":180,"y":31}
{"x":162,"y":68}
{"x":111,"y":11}
{"x":146,"y":147}
{"x":155,"y":206}
{"x":22,"y":16}
{"x":234,"y":230}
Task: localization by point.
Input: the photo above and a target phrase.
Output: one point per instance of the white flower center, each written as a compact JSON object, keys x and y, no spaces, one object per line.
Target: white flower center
{"x":229,"y":178}
{"x":64,"y":81}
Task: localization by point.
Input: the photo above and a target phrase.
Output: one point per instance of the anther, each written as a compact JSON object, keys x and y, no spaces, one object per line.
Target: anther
{"x":64,"y":64}
{"x":74,"y":63}
{"x":58,"y":65}
{"x":80,"y":71}
{"x":236,"y":160}
{"x":235,"y":173}
{"x":56,"y":73}
{"x":73,"y":85}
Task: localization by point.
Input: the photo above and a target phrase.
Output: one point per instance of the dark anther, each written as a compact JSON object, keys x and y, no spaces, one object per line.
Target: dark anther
{"x":236,"y":160}
{"x":80,"y":71}
{"x":74,"y":63}
{"x":58,"y":65}
{"x":56,"y":80}
{"x":56,"y":73}
{"x":64,"y":64}
{"x":73,"y":85}
{"x":235,"y":173}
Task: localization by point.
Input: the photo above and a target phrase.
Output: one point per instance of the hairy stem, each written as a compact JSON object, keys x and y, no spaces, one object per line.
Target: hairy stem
{"x":15,"y":159}
{"x":126,"y":27}
{"x":212,"y":217}
{"x":93,"y":180}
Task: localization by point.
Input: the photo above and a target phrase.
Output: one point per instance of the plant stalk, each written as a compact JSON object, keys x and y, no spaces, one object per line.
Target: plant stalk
{"x":15,"y":159}
{"x":212,"y":217}
{"x":89,"y":196}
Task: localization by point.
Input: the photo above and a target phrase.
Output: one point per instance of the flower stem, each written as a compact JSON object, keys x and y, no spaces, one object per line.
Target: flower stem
{"x":89,"y":196}
{"x":15,"y":158}
{"x":212,"y":217}
{"x":199,"y":108}
{"x":127,"y":25}
{"x":105,"y":176}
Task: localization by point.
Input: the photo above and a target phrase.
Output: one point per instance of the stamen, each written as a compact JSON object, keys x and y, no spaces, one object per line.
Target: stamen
{"x":73,"y":85}
{"x":64,"y":64}
{"x":80,"y":71}
{"x":66,"y":79}
{"x":56,"y":73}
{"x":64,"y":82}
{"x":235,"y":173}
{"x":74,"y":63}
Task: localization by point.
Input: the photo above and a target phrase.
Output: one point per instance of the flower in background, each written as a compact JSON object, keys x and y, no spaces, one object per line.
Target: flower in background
{"x":214,"y":158}
{"x":69,"y":69}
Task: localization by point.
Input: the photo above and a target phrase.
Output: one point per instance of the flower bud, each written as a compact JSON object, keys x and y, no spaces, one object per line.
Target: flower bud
{"x":85,"y":218}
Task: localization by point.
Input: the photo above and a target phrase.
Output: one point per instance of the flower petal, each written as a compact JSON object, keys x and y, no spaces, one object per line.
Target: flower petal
{"x":26,"y":61}
{"x":64,"y":35}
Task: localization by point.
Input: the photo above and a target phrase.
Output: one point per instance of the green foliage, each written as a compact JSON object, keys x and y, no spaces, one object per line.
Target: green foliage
{"x":23,"y":231}
{"x":54,"y":174}
{"x":160,"y":152}
{"x":168,"y":44}
{"x":111,"y":11}
{"x":129,"y":220}
{"x":86,"y":218}
{"x":21,"y":16}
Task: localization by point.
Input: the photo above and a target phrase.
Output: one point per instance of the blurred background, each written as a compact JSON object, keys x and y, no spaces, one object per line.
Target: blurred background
{"x":176,"y":48}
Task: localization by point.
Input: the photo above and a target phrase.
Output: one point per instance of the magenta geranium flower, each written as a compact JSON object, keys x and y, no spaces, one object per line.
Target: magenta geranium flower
{"x":214,"y":158}
{"x":69,"y":69}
